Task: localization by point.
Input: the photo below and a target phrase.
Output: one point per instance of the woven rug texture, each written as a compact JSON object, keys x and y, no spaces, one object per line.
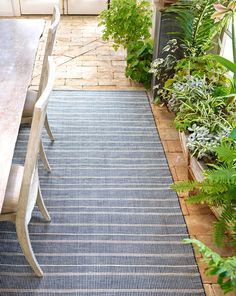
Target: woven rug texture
{"x":116,"y":226}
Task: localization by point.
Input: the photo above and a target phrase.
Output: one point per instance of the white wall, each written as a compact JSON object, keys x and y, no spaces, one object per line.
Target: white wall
{"x":86,"y":6}
{"x":18,"y":7}
{"x":9,"y":7}
{"x":38,"y":6}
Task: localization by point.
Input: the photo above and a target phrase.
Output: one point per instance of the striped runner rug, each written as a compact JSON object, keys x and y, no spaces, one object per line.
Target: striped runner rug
{"x":116,"y":226}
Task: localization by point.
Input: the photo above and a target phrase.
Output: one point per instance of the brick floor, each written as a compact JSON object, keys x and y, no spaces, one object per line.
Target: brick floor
{"x":85,"y":61}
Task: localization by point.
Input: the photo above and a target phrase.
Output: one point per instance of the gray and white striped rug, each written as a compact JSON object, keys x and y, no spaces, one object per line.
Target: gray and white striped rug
{"x":116,"y":226}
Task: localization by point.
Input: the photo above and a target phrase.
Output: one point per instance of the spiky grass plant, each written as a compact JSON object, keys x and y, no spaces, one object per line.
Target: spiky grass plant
{"x":198,"y":29}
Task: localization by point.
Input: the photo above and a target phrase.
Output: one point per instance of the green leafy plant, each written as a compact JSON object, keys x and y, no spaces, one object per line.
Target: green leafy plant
{"x":205,"y":66}
{"x":226,"y":63}
{"x":199,"y":94}
{"x":164,"y":68}
{"x":218,"y":189}
{"x":139,"y":58}
{"x":223,"y":268}
{"x":210,"y":112}
{"x":126,"y":21}
{"x":198,"y":29}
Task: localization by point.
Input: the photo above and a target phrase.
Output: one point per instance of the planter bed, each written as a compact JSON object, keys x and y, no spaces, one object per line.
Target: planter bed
{"x":195,"y":167}
{"x":183,"y":142}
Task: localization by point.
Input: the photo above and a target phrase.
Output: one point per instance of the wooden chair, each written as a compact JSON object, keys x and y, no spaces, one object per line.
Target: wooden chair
{"x":23,"y":188}
{"x":32,"y":96}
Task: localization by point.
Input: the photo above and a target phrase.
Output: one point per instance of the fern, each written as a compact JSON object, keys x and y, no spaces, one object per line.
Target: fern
{"x":184,"y":186}
{"x":226,"y":153}
{"x":223,"y":268}
{"x":222,"y":175}
{"x":217,"y":189}
{"x":197,"y":198}
{"x":197,"y":27}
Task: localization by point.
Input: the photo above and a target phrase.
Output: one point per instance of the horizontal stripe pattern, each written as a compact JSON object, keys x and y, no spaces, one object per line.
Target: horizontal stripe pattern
{"x":116,"y":226}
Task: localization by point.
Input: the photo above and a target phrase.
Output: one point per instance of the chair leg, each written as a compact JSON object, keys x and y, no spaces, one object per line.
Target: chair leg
{"x":24,"y":241}
{"x":43,"y":157}
{"x":41,"y":205}
{"x":46,"y":124}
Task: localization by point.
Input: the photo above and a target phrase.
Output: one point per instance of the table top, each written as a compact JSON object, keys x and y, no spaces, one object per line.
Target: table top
{"x":19,"y":40}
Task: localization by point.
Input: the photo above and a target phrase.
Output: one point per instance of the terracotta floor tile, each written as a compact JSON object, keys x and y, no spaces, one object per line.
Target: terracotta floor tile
{"x":119,"y":63}
{"x":198,"y":209}
{"x":162,"y":113}
{"x":119,"y":75}
{"x":176,"y":159}
{"x":172,"y":170}
{"x":165,"y":123}
{"x":183,"y":207}
{"x":100,"y":87}
{"x":68,"y":87}
{"x":182,"y":173}
{"x":208,"y":241}
{"x":200,"y":224}
{"x":173,"y":146}
{"x":122,"y":82}
{"x":209,"y":290}
{"x":207,"y":279}
{"x":218,"y":291}
{"x":168,"y":134}
{"x":78,"y":82}
{"x":88,"y":57}
{"x":197,"y":254}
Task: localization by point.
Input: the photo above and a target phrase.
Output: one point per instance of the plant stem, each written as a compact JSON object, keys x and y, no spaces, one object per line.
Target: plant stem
{"x":199,"y":21}
{"x":234,"y":45}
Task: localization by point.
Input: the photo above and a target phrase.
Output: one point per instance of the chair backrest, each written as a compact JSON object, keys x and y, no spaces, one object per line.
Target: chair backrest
{"x":30,"y":178}
{"x":49,"y":47}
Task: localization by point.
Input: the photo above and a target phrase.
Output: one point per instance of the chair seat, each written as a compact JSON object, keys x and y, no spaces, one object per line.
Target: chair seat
{"x":13,"y":189}
{"x":30,"y":101}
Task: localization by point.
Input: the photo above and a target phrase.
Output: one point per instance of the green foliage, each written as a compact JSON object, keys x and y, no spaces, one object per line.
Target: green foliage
{"x":233,"y":134}
{"x":223,"y":268}
{"x":226,"y":152}
{"x":139,"y":58}
{"x":218,"y":189}
{"x":204,"y":66}
{"x":230,"y":66}
{"x":163,"y":68}
{"x":126,"y":21}
{"x":200,"y":95}
{"x":209,"y":112}
{"x":196,"y":77}
{"x":195,"y":38}
{"x":197,"y":26}
{"x":226,"y":63}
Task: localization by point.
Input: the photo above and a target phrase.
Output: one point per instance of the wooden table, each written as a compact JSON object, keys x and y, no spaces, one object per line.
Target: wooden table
{"x":19,"y":40}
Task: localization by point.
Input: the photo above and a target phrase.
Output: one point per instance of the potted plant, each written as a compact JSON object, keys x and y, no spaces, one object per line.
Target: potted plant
{"x":127,"y":23}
